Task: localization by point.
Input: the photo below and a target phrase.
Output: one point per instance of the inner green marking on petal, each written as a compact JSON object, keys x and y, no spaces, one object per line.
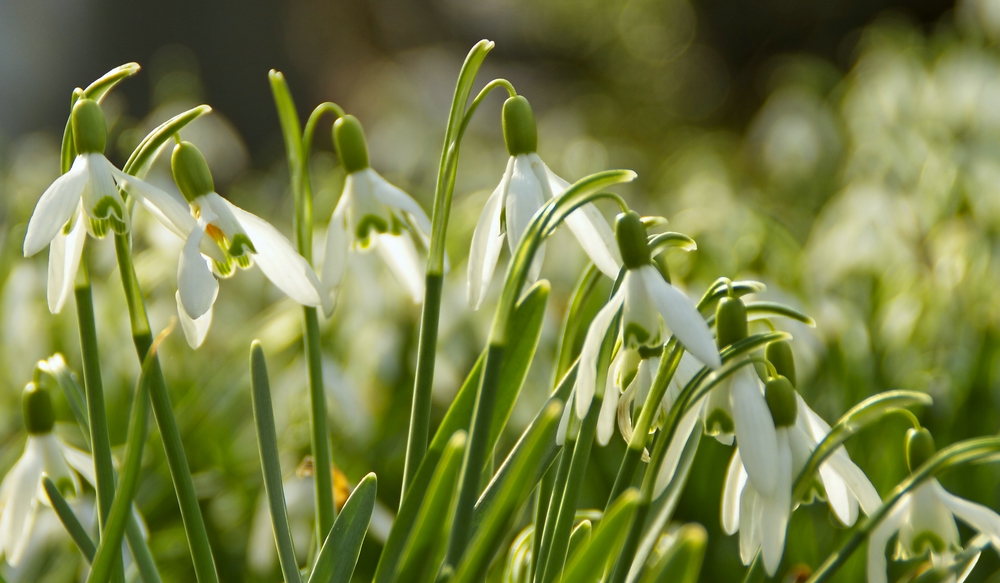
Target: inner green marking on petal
{"x":635,"y":334}
{"x":99,"y":227}
{"x":240,"y":246}
{"x":110,"y":210}
{"x":928,"y":541}
{"x":718,"y":422}
{"x":66,"y":486}
{"x":367,"y":224}
{"x":224,"y":268}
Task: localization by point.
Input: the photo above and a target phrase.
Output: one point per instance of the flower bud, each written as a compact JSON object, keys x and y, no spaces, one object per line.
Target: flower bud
{"x":36,"y":404}
{"x":779,"y":354}
{"x":730,"y":321}
{"x":191,"y":171}
{"x":632,"y":243}
{"x":781,"y":400}
{"x":519,"y":130}
{"x":350,"y":141}
{"x":90,"y":133}
{"x":919,"y":447}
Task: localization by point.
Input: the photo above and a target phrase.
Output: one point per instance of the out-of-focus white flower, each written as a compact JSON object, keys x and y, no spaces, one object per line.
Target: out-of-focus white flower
{"x":526,"y":184}
{"x":45,"y":454}
{"x":371,"y":213}
{"x":218,"y":237}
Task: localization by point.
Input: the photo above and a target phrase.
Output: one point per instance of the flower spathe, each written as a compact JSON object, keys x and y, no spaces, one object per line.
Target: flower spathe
{"x":218,"y":237}
{"x":371,"y":213}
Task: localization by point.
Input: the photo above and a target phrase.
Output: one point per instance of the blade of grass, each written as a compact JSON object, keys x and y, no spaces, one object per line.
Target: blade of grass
{"x":339,"y":555}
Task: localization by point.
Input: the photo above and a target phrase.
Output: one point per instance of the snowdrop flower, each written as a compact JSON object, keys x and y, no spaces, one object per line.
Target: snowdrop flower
{"x":632,"y":375}
{"x":762,"y":518}
{"x":524,"y":188}
{"x":218,"y":237}
{"x":371,"y":213}
{"x":647,"y":302}
{"x":44,"y":454}
{"x":85,"y":199}
{"x":925,"y":518}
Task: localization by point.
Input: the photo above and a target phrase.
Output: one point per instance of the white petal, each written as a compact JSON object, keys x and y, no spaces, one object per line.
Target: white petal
{"x":338,"y":243}
{"x":197,"y":285}
{"x":487,"y":241}
{"x":586,"y":376}
{"x":394,"y":197}
{"x":54,"y":462}
{"x":675,"y":449}
{"x":279,"y":261}
{"x":736,"y":479}
{"x":400,"y":255}
{"x":837,"y":495}
{"x":857,"y":482}
{"x":590,"y":228}
{"x":226,"y":217}
{"x":64,"y":260}
{"x":564,"y":419}
{"x":195,"y":330}
{"x":775,"y":508}
{"x":524,"y":198}
{"x":101,"y":185}
{"x":880,"y":536}
{"x":682,"y":317}
{"x":755,"y":432}
{"x":19,"y":511}
{"x":750,"y":515}
{"x":606,"y":419}
{"x":55,"y":207}
{"x":80,"y":461}
{"x":170,"y":209}
{"x":977,"y":516}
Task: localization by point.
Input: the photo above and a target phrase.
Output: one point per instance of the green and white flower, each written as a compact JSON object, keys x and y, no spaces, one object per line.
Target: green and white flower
{"x":86,"y":199}
{"x":762,"y":517}
{"x":371,"y":214}
{"x":21,"y":492}
{"x":219,"y":237}
{"x":526,"y":184}
{"x":925,"y":519}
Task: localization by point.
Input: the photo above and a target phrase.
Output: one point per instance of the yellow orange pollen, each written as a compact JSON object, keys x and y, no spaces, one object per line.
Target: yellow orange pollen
{"x":216,"y":234}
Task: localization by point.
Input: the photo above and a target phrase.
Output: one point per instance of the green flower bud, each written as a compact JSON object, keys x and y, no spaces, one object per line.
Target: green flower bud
{"x":90,"y":133}
{"x":631,"y":236}
{"x":779,"y":354}
{"x":919,"y":447}
{"x":39,"y":417}
{"x":191,"y":171}
{"x":519,"y":130}
{"x":350,"y":141}
{"x":781,"y":400}
{"x":730,"y":321}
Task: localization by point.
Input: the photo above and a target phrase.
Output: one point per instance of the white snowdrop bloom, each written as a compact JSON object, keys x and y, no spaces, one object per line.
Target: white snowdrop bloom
{"x":371,"y":213}
{"x":22,"y":492}
{"x":632,"y":380}
{"x":526,"y":184}
{"x":762,"y":518}
{"x":86,"y":199}
{"x":647,"y":302}
{"x":925,"y":519}
{"x":218,"y":237}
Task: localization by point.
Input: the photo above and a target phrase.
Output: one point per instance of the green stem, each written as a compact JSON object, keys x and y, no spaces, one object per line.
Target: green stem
{"x":543,"y":493}
{"x":100,"y":440}
{"x":69,"y":520}
{"x":755,"y":572}
{"x":547,"y":529}
{"x":177,"y":464}
{"x":627,"y":552}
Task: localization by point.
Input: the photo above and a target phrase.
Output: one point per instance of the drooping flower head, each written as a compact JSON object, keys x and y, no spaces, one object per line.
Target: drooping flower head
{"x":218,"y":237}
{"x":371,"y":214}
{"x":84,"y":200}
{"x":21,"y":493}
{"x":526,"y":184}
{"x":925,"y":518}
{"x":649,"y":305}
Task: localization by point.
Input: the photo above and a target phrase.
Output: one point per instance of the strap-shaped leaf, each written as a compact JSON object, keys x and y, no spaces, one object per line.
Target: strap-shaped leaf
{"x":681,"y":562}
{"x":340,"y":551}
{"x":69,"y":520}
{"x":529,"y":315}
{"x":587,"y":564}
{"x":144,"y":154}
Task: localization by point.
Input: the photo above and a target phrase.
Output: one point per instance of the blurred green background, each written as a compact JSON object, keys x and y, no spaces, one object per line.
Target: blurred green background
{"x":846,"y":153}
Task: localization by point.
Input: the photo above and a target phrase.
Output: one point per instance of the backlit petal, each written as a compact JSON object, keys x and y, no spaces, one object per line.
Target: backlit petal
{"x":64,"y":260}
{"x":736,"y":479}
{"x":750,"y":514}
{"x":977,"y":516}
{"x":755,"y":433}
{"x":394,"y":197}
{"x":101,"y":189}
{"x":400,"y":255}
{"x":338,"y":243}
{"x":54,"y":462}
{"x":682,"y":317}
{"x":675,"y":449}
{"x":19,"y":512}
{"x":487,"y":241}
{"x":776,"y":508}
{"x":81,"y":462}
{"x":196,"y":284}
{"x":606,"y":418}
{"x":586,"y":379}
{"x":195,"y":330}
{"x":170,"y":209}
{"x":880,"y":536}
{"x":55,"y":207}
{"x":524,"y":198}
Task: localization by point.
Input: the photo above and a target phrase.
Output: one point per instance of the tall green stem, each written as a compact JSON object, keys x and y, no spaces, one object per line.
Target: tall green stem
{"x":420,"y":412}
{"x":180,"y":472}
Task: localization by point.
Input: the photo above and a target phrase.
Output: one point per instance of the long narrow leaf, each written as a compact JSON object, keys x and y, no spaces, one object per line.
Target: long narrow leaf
{"x":587,"y":564}
{"x":144,"y":154}
{"x":69,"y":520}
{"x":681,"y":563}
{"x":340,"y":551}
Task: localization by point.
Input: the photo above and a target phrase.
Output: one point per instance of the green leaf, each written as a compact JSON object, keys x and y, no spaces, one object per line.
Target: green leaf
{"x":721,"y":288}
{"x":99,"y":88}
{"x":659,"y":243}
{"x":681,"y":562}
{"x":267,"y":445}
{"x":579,"y":538}
{"x":144,"y":154}
{"x":588,"y":563}
{"x":498,"y":521}
{"x":121,"y":508}
{"x":69,"y":520}
{"x":426,"y":545}
{"x":584,"y":303}
{"x":762,"y":310}
{"x":863,"y":414}
{"x":529,"y":314}
{"x":340,"y":551}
